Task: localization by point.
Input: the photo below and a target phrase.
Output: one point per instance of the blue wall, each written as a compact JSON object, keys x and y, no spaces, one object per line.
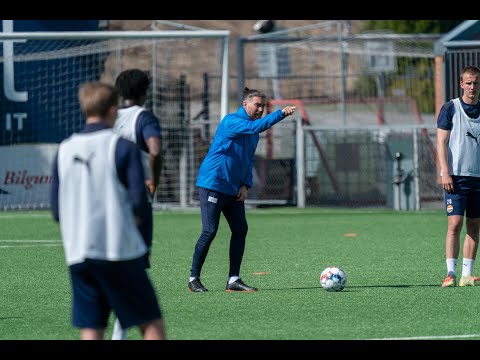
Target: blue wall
{"x":38,"y":98}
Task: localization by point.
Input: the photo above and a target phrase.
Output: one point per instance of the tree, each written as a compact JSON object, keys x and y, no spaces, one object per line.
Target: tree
{"x":412,"y":26}
{"x":410,"y":73}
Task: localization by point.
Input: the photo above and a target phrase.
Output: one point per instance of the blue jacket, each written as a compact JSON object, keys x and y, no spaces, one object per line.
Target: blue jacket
{"x":229,"y":162}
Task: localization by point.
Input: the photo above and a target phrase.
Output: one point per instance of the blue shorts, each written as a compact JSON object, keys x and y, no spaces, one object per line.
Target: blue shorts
{"x":100,"y":287}
{"x":465,"y":199}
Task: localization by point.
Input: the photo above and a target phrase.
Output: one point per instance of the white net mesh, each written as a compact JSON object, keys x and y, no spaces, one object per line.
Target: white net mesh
{"x":40,"y":109}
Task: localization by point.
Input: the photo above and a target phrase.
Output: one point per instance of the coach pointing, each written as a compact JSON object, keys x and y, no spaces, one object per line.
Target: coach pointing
{"x":223,"y":181}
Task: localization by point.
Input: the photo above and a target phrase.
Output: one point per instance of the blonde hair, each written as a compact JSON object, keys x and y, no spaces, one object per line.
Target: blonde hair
{"x":96,"y":98}
{"x":472,"y":70}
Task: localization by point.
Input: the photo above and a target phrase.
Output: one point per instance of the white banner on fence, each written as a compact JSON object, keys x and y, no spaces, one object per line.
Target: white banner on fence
{"x":25,"y":175}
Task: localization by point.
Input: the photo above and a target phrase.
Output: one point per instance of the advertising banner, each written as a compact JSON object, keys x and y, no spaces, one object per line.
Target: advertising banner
{"x":25,"y":175}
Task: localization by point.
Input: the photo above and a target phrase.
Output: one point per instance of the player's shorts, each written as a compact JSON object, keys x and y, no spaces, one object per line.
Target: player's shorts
{"x":101,"y":286}
{"x":465,"y":200}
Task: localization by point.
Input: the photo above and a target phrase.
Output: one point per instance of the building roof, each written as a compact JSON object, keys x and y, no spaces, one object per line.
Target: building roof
{"x":469,"y":30}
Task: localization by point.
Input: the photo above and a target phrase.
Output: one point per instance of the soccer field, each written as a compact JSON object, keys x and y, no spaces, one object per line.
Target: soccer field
{"x":394,"y":262}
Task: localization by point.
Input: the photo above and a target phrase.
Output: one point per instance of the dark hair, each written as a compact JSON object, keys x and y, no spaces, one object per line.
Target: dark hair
{"x":250,"y":93}
{"x":132,"y":84}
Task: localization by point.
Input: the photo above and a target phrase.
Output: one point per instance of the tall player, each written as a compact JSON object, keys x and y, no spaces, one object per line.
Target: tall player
{"x":458,"y":130}
{"x":136,"y":123}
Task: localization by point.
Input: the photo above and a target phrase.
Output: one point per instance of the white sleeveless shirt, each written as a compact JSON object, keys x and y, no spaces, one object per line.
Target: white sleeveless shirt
{"x":96,"y":218}
{"x":464,"y":144}
{"x":125,"y":127}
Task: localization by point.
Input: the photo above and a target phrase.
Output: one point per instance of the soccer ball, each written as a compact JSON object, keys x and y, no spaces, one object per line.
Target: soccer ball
{"x":333,"y":279}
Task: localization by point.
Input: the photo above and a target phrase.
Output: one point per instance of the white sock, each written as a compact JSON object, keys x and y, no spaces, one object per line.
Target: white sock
{"x":452,"y":266}
{"x":118,"y":333}
{"x":192,"y":278}
{"x":467,"y":267}
{"x":232,"y":279}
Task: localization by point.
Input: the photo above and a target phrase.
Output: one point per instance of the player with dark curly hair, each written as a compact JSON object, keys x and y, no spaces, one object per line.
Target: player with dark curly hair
{"x":140,"y":125}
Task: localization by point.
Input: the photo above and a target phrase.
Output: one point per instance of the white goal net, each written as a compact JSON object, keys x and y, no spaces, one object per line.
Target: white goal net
{"x":39,"y":107}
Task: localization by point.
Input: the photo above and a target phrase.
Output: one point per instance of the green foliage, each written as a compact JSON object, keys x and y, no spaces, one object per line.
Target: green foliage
{"x":420,"y":74}
{"x":366,"y":85}
{"x":412,"y":26}
{"x":415,"y":78}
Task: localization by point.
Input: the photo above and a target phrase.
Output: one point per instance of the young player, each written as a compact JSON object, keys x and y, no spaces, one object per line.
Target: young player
{"x":458,"y":129}
{"x":137,"y":124}
{"x":98,"y":196}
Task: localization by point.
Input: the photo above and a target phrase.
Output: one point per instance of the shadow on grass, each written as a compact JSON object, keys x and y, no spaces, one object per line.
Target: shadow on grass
{"x":10,"y":318}
{"x":349,"y":287}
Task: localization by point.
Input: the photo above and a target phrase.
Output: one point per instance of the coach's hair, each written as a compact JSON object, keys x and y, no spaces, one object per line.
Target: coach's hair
{"x":96,"y":98}
{"x":132,"y":84}
{"x":250,"y":93}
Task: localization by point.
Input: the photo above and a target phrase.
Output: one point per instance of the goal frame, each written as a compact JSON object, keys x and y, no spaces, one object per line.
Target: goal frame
{"x":9,"y":37}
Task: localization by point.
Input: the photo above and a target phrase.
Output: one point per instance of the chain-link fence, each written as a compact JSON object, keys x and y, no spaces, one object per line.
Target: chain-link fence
{"x":362,"y":98}
{"x":352,"y":84}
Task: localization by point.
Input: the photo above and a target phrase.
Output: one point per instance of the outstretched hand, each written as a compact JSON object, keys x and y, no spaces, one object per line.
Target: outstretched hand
{"x":288,"y":110}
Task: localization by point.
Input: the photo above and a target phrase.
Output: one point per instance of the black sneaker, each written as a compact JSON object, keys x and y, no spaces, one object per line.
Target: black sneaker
{"x":196,"y":286}
{"x":239,"y":285}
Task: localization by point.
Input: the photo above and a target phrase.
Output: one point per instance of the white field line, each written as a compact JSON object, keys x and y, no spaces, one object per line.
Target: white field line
{"x":16,"y":216}
{"x":22,"y":246}
{"x":37,"y":243}
{"x":432,"y":337}
{"x":27,"y":240}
